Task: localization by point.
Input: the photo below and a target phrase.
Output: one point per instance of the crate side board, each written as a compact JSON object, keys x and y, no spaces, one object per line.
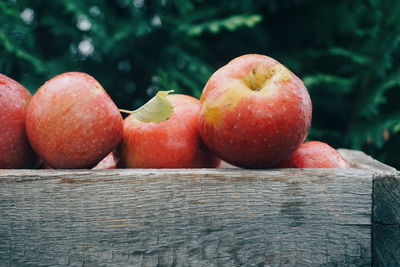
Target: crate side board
{"x":182,"y":217}
{"x":386,"y":207}
{"x":360,"y":160}
{"x":386,"y":219}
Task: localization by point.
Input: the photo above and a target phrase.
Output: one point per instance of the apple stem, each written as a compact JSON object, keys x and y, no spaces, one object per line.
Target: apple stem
{"x":157,"y":109}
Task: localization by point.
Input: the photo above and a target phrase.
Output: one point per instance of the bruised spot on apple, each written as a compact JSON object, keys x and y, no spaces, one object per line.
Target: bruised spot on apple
{"x":264,"y":78}
{"x":315,"y":154}
{"x":72,"y":122}
{"x":15,"y":150}
{"x":254,"y":112}
{"x":164,"y":134}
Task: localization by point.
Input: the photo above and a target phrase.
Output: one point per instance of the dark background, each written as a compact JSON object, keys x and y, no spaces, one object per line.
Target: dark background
{"x":347,"y":53}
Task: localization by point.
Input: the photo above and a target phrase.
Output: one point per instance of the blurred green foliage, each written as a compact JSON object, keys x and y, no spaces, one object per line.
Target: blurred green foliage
{"x":347,"y":52}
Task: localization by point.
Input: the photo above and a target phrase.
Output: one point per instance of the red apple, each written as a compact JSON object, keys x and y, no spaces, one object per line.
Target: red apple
{"x":315,"y":154}
{"x":254,"y":112}
{"x":171,"y":143}
{"x":15,"y":151}
{"x":72,"y":122}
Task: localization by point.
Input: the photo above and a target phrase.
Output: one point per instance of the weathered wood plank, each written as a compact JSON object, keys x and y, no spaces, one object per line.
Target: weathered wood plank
{"x":386,"y":219}
{"x":387,"y":199}
{"x":186,"y":218}
{"x":386,"y":247}
{"x":386,"y":207}
{"x":360,"y":160}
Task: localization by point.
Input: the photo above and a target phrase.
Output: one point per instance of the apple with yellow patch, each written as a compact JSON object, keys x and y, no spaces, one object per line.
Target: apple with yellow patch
{"x":254,"y":112}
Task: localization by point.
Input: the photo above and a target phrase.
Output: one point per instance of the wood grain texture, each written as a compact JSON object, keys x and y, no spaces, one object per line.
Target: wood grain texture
{"x":360,"y":160}
{"x":221,"y":217}
{"x":387,"y":199}
{"x":386,"y":248}
{"x":386,"y":208}
{"x":386,"y":219}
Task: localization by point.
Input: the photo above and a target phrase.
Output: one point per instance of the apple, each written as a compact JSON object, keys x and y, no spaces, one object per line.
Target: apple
{"x":72,"y":122}
{"x":315,"y":154}
{"x":170,"y":142}
{"x":254,"y":112}
{"x":15,"y":150}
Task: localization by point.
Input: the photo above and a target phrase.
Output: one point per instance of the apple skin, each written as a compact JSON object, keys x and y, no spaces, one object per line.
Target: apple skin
{"x":315,"y":154}
{"x":173,"y":143}
{"x":72,"y":122}
{"x":15,"y":150}
{"x":254,"y":112}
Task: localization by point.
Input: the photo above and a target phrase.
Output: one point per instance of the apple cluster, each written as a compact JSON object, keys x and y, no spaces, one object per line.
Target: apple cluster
{"x":253,"y":113}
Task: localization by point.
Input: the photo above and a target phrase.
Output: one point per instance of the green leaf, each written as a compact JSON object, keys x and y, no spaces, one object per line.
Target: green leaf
{"x":342,"y":85}
{"x":19,"y":53}
{"x":353,"y":56}
{"x":158,"y":109}
{"x":215,"y":26}
{"x":376,"y":97}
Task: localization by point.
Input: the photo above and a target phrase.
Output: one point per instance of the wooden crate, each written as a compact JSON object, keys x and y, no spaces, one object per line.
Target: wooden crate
{"x":204,"y":217}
